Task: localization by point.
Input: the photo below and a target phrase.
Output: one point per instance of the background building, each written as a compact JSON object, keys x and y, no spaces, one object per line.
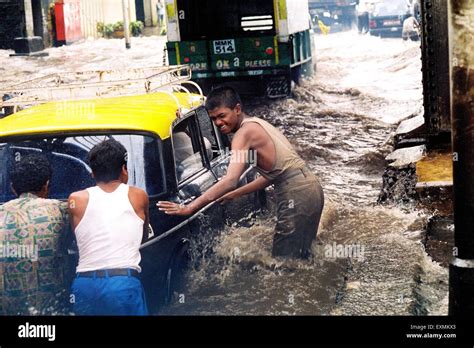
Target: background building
{"x":23,"y":18}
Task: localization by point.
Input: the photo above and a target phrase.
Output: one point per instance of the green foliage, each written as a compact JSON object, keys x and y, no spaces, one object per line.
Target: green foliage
{"x":118,"y":26}
{"x":100,"y":26}
{"x":107,"y":30}
{"x":136,"y":28}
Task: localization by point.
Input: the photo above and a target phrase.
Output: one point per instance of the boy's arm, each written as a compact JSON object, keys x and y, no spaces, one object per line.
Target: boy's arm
{"x":229,"y":182}
{"x":258,"y":184}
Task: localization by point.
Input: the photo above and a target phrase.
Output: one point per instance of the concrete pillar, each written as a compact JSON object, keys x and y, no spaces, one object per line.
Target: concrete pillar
{"x":29,"y":18}
{"x":154,"y":14}
{"x":30,"y":44}
{"x":148,"y":13}
{"x":461,"y":39}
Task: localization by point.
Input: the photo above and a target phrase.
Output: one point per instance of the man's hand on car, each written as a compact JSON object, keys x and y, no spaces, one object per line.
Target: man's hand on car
{"x":172,"y":208}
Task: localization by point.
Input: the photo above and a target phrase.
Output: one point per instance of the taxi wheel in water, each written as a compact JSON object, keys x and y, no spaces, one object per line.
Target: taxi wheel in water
{"x":179,"y":262}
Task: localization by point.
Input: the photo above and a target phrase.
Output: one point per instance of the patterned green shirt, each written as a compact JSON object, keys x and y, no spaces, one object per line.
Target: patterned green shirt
{"x":32,"y":255}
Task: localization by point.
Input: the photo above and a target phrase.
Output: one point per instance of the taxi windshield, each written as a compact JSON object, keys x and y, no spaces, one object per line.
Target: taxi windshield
{"x":70,"y":168}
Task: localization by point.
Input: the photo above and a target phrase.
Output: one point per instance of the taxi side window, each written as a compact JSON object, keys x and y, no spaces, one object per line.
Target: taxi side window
{"x":187,"y":148}
{"x":215,"y":142}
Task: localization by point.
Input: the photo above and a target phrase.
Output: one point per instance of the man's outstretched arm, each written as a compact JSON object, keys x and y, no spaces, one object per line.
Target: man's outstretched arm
{"x":228,"y":183}
{"x":258,"y":184}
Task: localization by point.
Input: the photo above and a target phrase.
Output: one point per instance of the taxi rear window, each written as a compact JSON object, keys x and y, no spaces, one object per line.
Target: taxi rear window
{"x":71,"y":171}
{"x":391,"y":8}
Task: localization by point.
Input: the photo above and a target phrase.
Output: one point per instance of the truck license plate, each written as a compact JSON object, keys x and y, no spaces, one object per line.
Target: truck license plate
{"x":224,"y":46}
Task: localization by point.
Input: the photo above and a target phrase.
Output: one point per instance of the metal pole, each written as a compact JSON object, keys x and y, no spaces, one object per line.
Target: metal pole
{"x":126,"y":24}
{"x":435,"y":61}
{"x":461,"y":47}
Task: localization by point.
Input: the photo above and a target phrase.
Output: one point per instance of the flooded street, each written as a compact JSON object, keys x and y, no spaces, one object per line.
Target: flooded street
{"x":342,"y":122}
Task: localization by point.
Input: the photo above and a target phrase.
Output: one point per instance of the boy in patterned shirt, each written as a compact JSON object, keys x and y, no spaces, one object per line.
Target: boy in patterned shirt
{"x":32,"y":235}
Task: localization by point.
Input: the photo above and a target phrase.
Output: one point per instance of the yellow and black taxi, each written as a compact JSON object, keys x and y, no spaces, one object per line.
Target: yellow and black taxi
{"x":171,"y":157}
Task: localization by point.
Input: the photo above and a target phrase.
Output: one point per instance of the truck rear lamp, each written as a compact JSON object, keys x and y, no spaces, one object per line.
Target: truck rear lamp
{"x":257,"y":43}
{"x":192,"y":48}
{"x":186,"y":59}
{"x":372,"y":24}
{"x":269,"y":51}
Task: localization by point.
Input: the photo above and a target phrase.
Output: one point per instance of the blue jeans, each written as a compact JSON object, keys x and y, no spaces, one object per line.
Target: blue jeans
{"x":117,"y":295}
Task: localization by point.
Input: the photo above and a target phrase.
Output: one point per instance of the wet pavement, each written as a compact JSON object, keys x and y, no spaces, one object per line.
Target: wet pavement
{"x":368,"y":258}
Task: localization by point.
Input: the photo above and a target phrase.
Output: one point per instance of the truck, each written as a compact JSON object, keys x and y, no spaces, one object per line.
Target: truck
{"x":257,"y":46}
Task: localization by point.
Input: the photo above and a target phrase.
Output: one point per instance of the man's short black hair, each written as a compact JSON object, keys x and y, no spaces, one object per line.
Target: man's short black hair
{"x":30,"y":173}
{"x":106,"y":160}
{"x":223,"y":96}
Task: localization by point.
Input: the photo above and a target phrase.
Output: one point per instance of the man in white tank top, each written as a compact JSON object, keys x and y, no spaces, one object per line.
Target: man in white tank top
{"x":299,"y":195}
{"x":110,"y":221}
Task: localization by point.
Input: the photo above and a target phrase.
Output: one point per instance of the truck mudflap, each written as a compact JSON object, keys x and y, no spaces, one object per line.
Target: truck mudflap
{"x":278,"y":87}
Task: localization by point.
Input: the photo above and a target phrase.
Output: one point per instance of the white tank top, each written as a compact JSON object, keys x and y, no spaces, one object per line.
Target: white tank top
{"x":110,"y":232}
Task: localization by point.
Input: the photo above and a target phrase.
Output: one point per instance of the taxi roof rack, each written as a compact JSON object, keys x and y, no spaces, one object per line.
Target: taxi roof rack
{"x":80,"y":85}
